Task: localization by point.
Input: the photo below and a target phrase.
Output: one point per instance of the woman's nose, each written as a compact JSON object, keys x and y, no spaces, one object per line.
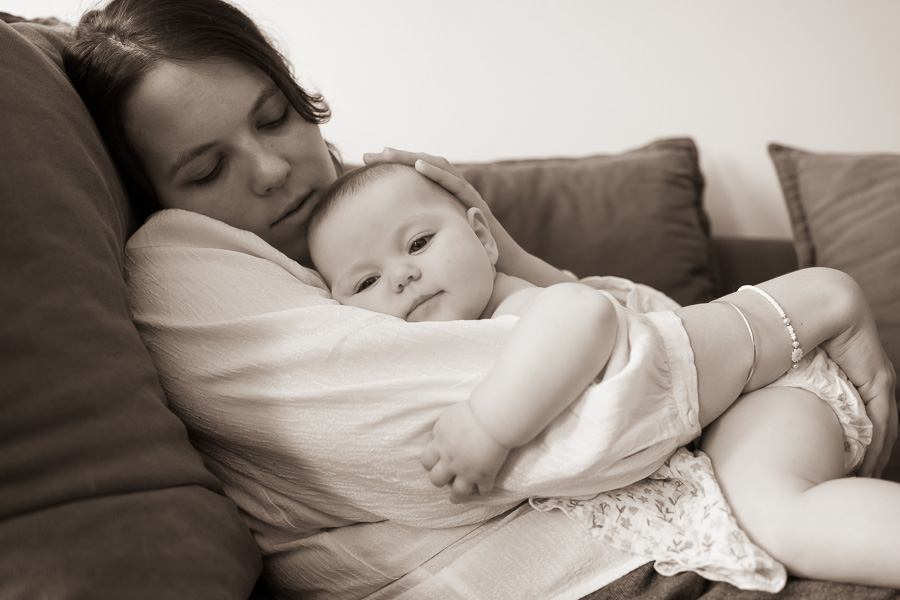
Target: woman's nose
{"x":403,"y":274}
{"x":270,"y":172}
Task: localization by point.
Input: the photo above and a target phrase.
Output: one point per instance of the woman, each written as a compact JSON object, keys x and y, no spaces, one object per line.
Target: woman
{"x":203,"y":115}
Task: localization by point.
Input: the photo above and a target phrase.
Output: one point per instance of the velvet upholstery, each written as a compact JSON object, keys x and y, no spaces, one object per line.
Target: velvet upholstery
{"x":101,"y":493}
{"x":638,"y":214}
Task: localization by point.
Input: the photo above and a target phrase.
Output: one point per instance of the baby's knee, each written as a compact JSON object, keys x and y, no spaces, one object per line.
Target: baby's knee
{"x":784,"y":543}
{"x":769,"y":451}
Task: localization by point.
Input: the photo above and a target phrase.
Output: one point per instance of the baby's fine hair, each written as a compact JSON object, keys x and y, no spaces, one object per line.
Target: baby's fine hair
{"x":348,"y":184}
{"x":353,"y":181}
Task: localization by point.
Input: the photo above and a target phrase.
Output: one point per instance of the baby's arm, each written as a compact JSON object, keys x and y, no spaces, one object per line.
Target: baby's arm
{"x":562,"y":342}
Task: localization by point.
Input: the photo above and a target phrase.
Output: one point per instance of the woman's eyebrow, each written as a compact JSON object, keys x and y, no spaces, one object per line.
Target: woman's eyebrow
{"x":263,"y":97}
{"x":188,"y":156}
{"x":193,"y":153}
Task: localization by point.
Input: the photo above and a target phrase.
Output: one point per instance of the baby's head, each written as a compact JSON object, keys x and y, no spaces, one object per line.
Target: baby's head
{"x":387,"y":239}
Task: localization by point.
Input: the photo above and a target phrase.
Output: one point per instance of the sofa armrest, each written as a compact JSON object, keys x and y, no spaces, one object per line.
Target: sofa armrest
{"x":740,"y":261}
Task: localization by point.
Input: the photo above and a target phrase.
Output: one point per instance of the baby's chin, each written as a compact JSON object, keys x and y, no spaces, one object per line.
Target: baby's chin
{"x":441,"y":307}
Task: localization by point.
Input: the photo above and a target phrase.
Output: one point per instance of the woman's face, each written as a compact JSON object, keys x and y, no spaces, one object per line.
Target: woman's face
{"x":220,"y":139}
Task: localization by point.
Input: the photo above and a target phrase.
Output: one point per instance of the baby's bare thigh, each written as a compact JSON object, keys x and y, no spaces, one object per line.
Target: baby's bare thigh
{"x":770,"y":446}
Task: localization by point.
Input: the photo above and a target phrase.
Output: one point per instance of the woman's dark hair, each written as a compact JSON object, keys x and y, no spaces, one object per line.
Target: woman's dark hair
{"x":116,"y":46}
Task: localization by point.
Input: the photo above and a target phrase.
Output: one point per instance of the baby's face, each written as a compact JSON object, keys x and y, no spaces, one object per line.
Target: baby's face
{"x":403,"y":247}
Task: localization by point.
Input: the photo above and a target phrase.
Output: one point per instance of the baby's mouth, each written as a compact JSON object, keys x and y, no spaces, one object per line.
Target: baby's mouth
{"x":421,"y":300}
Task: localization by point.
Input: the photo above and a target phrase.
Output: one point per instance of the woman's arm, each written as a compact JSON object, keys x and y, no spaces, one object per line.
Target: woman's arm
{"x":514,"y":260}
{"x":826,"y":308}
{"x":559,"y":346}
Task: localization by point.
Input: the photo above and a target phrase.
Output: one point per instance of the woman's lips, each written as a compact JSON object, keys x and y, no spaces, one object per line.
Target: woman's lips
{"x":293,"y":210}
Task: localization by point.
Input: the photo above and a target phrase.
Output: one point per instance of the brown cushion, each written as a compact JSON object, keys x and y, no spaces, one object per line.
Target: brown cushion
{"x":845,"y":214}
{"x":637,"y":215}
{"x":101,"y":493}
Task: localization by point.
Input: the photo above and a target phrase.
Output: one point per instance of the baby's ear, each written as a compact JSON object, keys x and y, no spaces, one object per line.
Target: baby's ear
{"x":479,"y":225}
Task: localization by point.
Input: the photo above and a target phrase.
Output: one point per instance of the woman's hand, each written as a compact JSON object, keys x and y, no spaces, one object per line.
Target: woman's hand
{"x":462,"y":454}
{"x":513,"y":260}
{"x":440,"y":171}
{"x":859,"y":353}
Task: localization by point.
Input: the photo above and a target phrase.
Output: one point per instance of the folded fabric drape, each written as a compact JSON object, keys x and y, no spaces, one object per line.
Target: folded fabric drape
{"x":314,"y":414}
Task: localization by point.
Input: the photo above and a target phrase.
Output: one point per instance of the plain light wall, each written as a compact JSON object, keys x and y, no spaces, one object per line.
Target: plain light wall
{"x":477,"y":80}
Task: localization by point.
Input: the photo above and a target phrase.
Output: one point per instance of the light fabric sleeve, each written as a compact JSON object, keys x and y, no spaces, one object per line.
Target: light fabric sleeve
{"x":314,"y":414}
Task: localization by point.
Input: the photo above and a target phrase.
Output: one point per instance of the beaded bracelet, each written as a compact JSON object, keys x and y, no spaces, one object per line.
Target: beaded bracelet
{"x":752,"y":341}
{"x":797,"y":351}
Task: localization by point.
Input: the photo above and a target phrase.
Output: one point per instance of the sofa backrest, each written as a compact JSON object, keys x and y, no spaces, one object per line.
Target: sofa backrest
{"x":101,"y":493}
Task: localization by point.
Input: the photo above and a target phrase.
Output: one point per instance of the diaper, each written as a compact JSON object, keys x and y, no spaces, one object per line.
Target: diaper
{"x":678,"y":517}
{"x":821,"y":376}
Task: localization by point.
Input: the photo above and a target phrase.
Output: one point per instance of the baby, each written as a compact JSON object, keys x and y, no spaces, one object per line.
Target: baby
{"x":407,"y":248}
{"x":387,"y":239}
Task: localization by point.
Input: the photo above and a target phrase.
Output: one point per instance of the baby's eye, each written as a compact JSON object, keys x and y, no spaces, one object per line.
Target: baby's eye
{"x":419,"y":243}
{"x":365,"y":284}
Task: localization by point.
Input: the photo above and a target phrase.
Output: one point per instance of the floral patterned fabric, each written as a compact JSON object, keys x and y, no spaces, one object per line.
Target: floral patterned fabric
{"x":679,"y":517}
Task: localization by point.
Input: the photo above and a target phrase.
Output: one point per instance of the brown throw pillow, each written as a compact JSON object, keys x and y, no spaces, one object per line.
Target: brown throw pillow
{"x":101,"y":493}
{"x":638,"y":214}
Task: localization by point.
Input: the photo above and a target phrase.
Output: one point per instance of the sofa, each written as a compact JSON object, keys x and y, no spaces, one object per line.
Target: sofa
{"x":102,"y":494}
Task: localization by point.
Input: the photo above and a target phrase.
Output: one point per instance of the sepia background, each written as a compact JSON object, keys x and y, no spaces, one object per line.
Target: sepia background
{"x":477,"y":80}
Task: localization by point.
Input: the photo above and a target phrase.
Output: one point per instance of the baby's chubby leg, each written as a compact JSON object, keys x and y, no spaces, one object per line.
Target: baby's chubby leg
{"x":778,"y":455}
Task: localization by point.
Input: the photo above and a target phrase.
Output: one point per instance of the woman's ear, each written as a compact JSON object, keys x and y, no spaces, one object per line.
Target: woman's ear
{"x":479,"y":225}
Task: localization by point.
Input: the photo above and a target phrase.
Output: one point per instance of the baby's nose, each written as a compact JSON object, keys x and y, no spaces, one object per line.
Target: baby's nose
{"x":404,"y":276}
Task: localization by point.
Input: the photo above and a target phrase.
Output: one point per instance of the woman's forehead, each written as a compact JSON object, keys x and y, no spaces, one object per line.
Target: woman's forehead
{"x":178,"y":103}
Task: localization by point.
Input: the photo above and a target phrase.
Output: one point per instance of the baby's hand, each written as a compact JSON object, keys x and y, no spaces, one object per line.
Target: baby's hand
{"x":462,"y":454}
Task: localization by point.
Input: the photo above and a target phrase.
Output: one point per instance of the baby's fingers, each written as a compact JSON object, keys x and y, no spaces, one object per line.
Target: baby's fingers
{"x":440,"y":474}
{"x":485,"y":486}
{"x":460,"y":490}
{"x":429,"y":456}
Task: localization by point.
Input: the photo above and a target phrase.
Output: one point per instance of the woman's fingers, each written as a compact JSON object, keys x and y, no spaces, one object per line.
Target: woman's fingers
{"x":392,"y":155}
{"x":450,"y":181}
{"x":873,"y":463}
{"x":890,"y":439}
{"x":888,"y":435}
{"x":881,"y":408}
{"x":438,"y":170}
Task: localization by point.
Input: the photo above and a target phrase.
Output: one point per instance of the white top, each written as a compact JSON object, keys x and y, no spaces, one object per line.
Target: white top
{"x":313,"y":415}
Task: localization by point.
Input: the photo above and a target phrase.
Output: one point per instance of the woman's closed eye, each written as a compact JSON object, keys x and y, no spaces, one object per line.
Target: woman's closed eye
{"x":419,"y":243}
{"x":212,"y":174}
{"x":281,"y":120}
{"x":365,"y":284}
